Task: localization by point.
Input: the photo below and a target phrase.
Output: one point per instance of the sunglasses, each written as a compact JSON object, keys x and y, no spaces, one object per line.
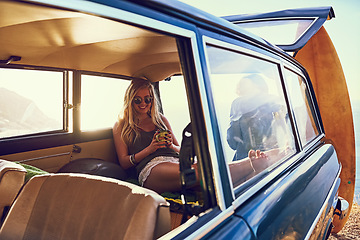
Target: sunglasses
{"x":138,"y":100}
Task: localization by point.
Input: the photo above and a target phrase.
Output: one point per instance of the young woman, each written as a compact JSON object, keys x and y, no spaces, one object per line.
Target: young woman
{"x":135,"y":137}
{"x":157,"y":162}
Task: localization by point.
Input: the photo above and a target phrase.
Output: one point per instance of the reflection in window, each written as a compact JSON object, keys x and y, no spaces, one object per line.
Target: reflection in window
{"x":251,"y":112}
{"x":304,"y":112}
{"x":31,"y":101}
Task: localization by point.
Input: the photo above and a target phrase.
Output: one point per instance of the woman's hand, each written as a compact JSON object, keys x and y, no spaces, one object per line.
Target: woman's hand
{"x":172,"y":143}
{"x":259,"y":160}
{"x":160,"y":140}
{"x":155,"y":145}
{"x":165,"y":139}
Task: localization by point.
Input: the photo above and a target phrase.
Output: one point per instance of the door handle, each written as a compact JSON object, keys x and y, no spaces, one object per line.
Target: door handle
{"x":342,"y":208}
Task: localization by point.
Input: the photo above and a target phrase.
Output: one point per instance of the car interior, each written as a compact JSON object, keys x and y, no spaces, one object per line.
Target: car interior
{"x":78,"y":45}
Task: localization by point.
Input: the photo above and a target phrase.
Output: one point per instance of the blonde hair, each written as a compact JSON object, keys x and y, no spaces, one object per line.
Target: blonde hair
{"x":130,"y":129}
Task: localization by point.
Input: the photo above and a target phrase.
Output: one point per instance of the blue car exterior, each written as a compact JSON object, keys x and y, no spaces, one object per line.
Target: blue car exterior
{"x":295,"y":199}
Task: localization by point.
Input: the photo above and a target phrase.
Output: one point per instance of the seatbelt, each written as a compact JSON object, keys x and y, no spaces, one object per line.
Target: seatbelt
{"x":187,"y":173}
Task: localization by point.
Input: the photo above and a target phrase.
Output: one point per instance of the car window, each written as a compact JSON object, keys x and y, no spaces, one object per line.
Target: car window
{"x":101,"y":101}
{"x":303,"y":109}
{"x":174,"y":104}
{"x":251,"y":112}
{"x":31,"y":101}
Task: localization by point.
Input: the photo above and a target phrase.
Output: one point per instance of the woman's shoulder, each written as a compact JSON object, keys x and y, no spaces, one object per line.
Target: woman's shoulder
{"x":165,"y":121}
{"x":163,"y":118}
{"x":118,"y":125}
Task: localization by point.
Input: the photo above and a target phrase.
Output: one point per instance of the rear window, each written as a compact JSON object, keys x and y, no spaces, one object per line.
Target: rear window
{"x":31,"y":101}
{"x":279,"y":32}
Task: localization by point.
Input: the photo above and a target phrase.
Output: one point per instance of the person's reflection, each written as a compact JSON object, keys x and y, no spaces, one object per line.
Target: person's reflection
{"x":251,"y":116}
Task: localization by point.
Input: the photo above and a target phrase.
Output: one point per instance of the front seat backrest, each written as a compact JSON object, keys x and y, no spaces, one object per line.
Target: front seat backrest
{"x":80,"y":206}
{"x":12,"y":178}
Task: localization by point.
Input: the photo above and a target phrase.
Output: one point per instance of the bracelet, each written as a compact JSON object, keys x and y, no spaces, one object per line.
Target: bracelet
{"x":132,"y":159}
{"x":252,"y":165}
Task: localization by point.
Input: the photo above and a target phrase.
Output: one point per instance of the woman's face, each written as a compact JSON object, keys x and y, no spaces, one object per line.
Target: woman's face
{"x":142,"y":101}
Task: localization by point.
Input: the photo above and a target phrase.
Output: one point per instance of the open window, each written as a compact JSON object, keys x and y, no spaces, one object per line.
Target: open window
{"x":289,"y":29}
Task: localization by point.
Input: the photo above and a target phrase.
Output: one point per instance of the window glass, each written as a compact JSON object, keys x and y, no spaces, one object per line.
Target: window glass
{"x":251,"y":112}
{"x":102,"y":99}
{"x":279,"y":32}
{"x":31,"y":101}
{"x":174,"y":104}
{"x":303,"y":110}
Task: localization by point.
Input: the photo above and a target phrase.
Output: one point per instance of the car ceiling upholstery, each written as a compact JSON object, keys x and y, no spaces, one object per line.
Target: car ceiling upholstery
{"x":49,"y":37}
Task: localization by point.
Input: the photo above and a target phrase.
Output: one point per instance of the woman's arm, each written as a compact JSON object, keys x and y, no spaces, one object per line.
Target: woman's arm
{"x":244,"y":169}
{"x":122,"y":149}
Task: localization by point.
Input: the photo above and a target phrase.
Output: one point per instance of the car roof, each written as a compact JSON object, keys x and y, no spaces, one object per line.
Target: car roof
{"x":195,"y":16}
{"x":55,"y":37}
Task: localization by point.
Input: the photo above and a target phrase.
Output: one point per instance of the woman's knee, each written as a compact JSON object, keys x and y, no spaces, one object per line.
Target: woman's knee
{"x":164,"y":177}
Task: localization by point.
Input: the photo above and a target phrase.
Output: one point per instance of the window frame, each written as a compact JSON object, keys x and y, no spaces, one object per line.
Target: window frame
{"x":312,"y":102}
{"x":313,"y":20}
{"x":94,"y":74}
{"x":65,"y":100}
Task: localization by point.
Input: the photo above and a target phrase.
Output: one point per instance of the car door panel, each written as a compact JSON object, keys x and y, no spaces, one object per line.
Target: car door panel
{"x":52,"y":159}
{"x":315,"y":51}
{"x":288,"y":206}
{"x":232,"y":228}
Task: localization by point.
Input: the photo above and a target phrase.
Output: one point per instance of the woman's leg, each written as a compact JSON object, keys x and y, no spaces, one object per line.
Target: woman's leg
{"x":164,"y":177}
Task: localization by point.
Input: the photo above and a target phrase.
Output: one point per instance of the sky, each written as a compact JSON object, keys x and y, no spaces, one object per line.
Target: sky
{"x":344,"y":29}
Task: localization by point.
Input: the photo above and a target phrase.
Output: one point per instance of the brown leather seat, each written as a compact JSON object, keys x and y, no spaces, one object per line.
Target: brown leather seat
{"x":12,"y":177}
{"x":80,"y":206}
